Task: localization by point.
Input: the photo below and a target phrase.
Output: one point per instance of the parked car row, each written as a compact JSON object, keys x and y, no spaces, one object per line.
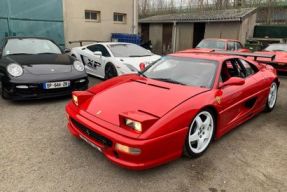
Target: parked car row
{"x":151,"y":109}
{"x":35,"y":68}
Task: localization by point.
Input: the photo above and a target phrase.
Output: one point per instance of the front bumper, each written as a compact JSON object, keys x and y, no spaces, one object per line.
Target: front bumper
{"x":12,"y":91}
{"x":154,"y":151}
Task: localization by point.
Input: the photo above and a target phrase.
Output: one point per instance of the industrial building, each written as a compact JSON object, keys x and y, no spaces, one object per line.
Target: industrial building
{"x":173,"y":32}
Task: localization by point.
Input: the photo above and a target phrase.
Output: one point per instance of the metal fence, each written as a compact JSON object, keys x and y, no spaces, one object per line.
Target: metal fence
{"x":42,"y":18}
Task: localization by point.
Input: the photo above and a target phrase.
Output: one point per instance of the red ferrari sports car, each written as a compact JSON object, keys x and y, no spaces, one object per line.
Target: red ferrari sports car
{"x":280,"y":60}
{"x":176,"y":106}
{"x":207,"y":45}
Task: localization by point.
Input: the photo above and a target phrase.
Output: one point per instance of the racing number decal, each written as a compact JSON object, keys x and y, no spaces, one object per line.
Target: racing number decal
{"x":91,"y":63}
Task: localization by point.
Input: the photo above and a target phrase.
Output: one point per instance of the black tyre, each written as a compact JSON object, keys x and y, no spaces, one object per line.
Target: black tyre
{"x":272,"y":97}
{"x":200,"y":134}
{"x":110,"y":71}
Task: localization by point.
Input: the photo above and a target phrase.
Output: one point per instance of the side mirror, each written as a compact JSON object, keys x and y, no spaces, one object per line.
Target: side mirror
{"x":233,"y":81}
{"x":142,"y":66}
{"x":67,"y":50}
{"x":98,"y":53}
{"x":244,"y":50}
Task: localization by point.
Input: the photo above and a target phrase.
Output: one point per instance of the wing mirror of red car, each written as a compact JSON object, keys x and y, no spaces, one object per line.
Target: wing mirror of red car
{"x":244,"y":50}
{"x":233,"y":81}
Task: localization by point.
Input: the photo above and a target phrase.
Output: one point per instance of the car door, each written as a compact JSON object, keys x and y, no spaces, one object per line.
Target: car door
{"x":260,"y":81}
{"x":95,"y":63}
{"x":237,"y":102}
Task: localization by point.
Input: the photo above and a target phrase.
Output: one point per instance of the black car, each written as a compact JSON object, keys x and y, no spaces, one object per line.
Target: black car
{"x":36,"y":68}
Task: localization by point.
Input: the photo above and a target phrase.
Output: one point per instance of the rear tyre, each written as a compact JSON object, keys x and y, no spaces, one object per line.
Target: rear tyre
{"x":272,"y":97}
{"x":110,"y":71}
{"x":200,"y":134}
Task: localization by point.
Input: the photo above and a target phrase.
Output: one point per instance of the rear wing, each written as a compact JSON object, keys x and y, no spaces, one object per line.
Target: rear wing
{"x":85,"y":41}
{"x":254,"y":55}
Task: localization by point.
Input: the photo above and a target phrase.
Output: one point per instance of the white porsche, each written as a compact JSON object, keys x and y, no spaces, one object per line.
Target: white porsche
{"x":110,"y":59}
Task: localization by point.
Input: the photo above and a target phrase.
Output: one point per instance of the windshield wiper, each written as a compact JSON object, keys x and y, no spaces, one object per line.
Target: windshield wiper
{"x":45,"y":53}
{"x":19,"y":54}
{"x":141,"y":73}
{"x":169,"y":81}
{"x":139,"y":55}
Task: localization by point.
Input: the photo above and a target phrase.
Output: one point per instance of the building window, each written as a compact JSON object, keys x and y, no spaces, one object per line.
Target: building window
{"x":120,"y":17}
{"x":92,"y":15}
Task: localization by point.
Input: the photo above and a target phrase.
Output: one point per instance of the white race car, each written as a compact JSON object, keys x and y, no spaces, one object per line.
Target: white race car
{"x":107,"y":60}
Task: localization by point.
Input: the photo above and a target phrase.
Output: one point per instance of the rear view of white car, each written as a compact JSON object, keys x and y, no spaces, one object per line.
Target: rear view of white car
{"x":107,"y":60}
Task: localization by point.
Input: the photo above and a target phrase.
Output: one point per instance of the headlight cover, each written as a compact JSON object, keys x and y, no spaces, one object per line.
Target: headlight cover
{"x":137,"y":126}
{"x":15,"y":70}
{"x":79,"y":66}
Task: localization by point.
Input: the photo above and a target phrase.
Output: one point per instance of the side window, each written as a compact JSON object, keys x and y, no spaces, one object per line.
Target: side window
{"x":239,"y":68}
{"x":92,"y":48}
{"x":238,"y":45}
{"x":104,"y":51}
{"x":249,"y":68}
{"x":100,"y":48}
{"x":230,"y":46}
{"x":232,"y":68}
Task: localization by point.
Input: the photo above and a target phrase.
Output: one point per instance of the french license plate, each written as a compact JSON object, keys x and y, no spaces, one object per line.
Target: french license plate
{"x":90,"y":143}
{"x":56,"y":85}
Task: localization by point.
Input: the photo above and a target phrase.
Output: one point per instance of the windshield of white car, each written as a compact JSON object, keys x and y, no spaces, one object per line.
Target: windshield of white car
{"x":183,"y":71}
{"x":30,"y":46}
{"x":128,"y":50}
{"x":277,"y":47}
{"x":212,"y":44}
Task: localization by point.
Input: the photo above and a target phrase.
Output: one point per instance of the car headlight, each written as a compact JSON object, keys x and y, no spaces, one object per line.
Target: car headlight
{"x":79,"y":66}
{"x":137,"y":126}
{"x":15,"y":70}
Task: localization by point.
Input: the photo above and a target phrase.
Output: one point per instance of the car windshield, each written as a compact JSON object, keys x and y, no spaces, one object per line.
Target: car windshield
{"x":128,"y":50}
{"x":211,"y":44}
{"x":30,"y":46}
{"x":277,"y":47}
{"x":184,"y":71}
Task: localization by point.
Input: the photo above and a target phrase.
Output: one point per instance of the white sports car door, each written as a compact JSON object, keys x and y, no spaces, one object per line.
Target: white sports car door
{"x":95,"y":64}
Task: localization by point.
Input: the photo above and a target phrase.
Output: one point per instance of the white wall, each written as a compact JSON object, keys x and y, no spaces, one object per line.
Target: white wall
{"x":77,"y":28}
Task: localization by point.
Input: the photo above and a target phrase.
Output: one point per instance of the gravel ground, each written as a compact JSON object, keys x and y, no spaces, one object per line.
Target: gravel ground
{"x":37,"y":153}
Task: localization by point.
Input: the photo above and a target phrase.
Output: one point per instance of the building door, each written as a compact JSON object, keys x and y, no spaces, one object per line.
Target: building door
{"x":167,"y":38}
{"x":198,"y":33}
{"x":145,"y":33}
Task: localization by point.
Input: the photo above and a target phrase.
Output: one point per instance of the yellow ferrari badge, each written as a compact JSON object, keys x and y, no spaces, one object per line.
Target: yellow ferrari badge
{"x":218,"y":99}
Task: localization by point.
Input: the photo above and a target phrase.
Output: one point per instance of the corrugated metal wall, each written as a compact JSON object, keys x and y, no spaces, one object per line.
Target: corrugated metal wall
{"x":42,"y":18}
{"x":271,"y":31}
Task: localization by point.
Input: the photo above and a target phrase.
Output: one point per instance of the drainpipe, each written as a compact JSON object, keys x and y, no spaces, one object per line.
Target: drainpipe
{"x":135,"y":16}
{"x":174,"y":34}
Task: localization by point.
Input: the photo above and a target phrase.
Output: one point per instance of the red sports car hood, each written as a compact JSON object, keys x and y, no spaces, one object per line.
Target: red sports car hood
{"x":147,"y":96}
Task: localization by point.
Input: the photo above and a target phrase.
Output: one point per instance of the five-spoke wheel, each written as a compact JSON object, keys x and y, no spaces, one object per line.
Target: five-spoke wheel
{"x":200,"y":134}
{"x":272,"y":97}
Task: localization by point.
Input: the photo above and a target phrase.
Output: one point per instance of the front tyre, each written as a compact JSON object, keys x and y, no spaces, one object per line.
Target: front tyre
{"x":110,"y":71}
{"x":272,"y":97}
{"x":200,"y":134}
{"x":2,"y":90}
